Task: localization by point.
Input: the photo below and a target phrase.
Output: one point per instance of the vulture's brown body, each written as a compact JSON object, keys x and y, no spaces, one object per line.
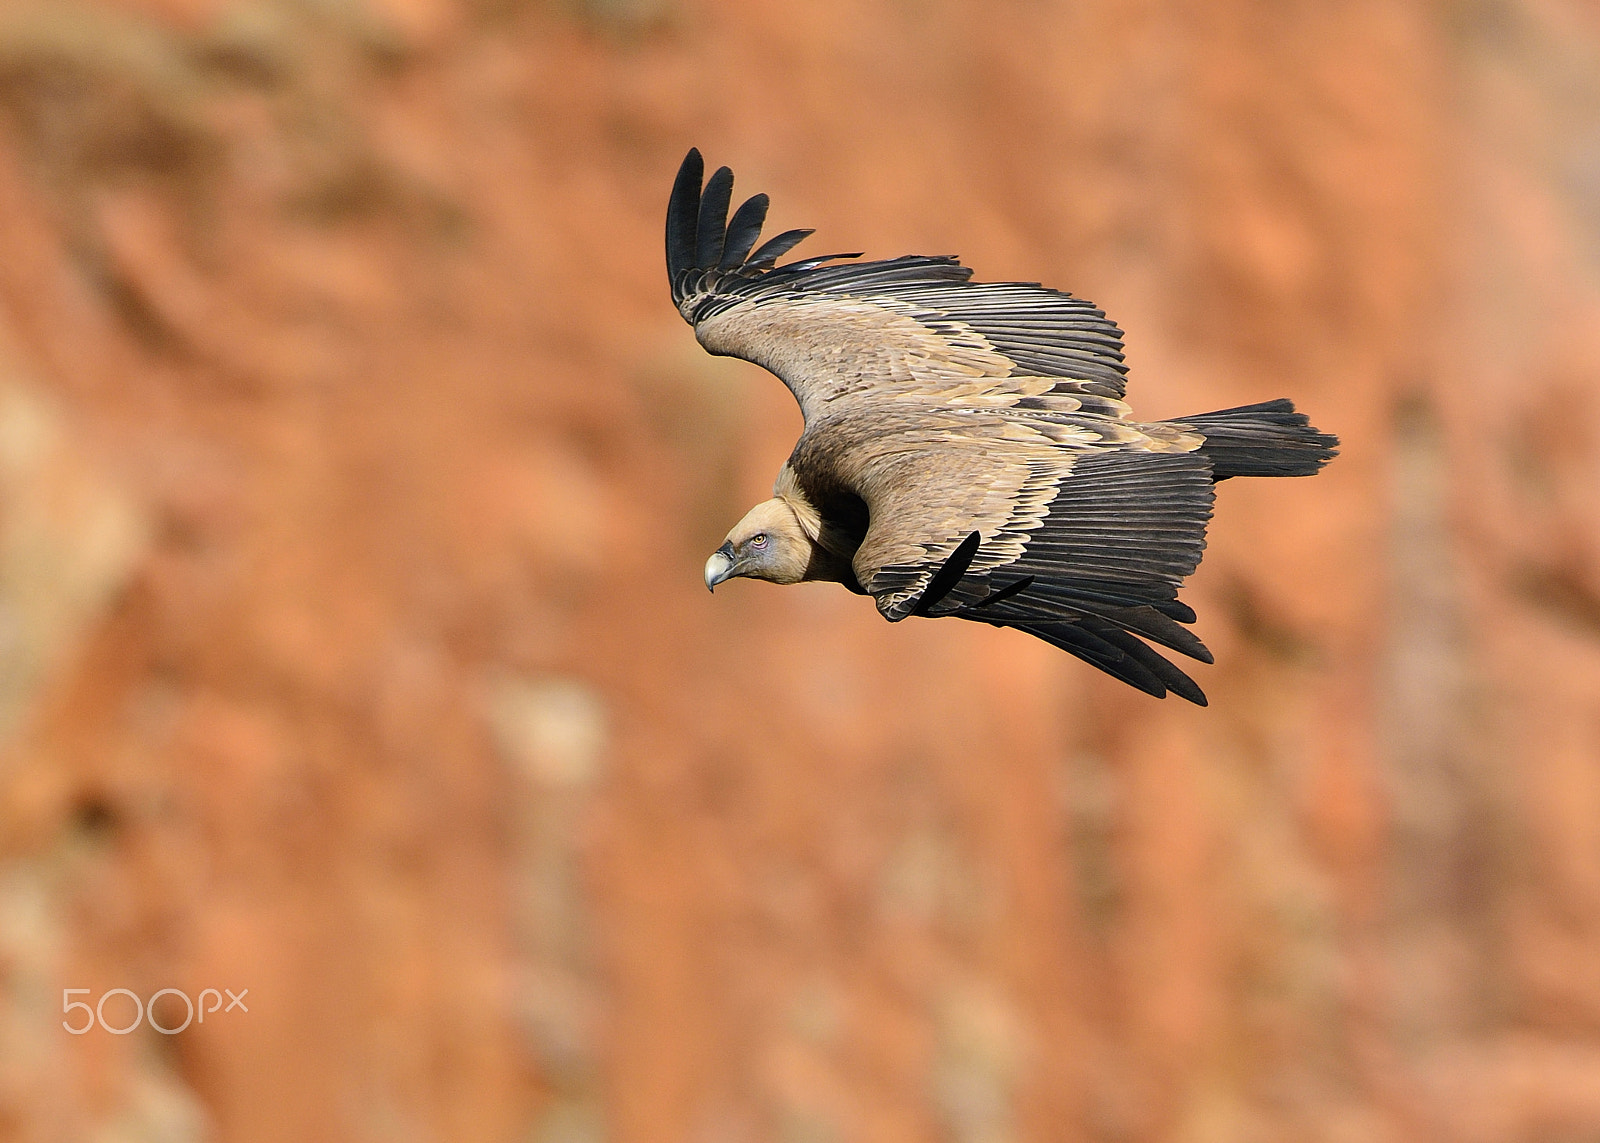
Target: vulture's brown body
{"x":967,"y":450}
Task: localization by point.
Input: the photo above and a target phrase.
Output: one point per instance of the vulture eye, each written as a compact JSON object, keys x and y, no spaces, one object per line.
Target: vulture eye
{"x":759,"y":540}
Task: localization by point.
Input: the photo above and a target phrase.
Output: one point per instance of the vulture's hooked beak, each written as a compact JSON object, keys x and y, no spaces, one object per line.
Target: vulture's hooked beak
{"x":719,"y":567}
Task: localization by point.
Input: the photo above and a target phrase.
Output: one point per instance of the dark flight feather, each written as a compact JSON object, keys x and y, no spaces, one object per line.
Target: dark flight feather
{"x":1175,"y":681}
{"x":1096,"y":651}
{"x":743,"y":230}
{"x":949,"y":574}
{"x":683,"y":217}
{"x":1014,"y":588}
{"x":713,"y":224}
{"x":775,"y":248}
{"x":814,"y":263}
{"x":1171,"y":677}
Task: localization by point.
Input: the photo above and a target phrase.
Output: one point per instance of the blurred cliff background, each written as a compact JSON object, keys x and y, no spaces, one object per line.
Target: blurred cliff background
{"x":355,"y":478}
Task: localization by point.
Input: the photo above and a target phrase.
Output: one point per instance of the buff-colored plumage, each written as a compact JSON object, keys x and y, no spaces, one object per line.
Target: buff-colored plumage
{"x":967,"y":448}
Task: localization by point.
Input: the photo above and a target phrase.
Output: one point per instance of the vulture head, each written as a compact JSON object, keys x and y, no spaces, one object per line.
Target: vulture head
{"x":768,"y":544}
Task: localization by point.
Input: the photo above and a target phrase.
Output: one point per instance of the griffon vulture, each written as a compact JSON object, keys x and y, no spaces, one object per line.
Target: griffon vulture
{"x":967,"y":450}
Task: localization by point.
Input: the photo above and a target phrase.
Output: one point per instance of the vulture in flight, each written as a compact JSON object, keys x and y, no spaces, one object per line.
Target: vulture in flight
{"x":967,"y":450}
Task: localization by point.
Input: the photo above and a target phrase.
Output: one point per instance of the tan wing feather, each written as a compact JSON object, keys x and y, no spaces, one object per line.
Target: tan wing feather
{"x":932,"y":475}
{"x":829,"y":349}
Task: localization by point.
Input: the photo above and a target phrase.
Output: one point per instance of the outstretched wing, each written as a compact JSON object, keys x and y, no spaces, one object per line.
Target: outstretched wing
{"x":917,"y":326}
{"x":985,"y":516}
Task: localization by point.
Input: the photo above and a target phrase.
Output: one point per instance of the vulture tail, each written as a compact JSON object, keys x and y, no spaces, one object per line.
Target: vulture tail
{"x":1269,"y":439}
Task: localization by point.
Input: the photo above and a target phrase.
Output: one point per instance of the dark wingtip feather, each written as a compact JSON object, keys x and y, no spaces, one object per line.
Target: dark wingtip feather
{"x":1097,"y":652}
{"x":1151,"y":624}
{"x":949,"y":574}
{"x":1175,"y":609}
{"x":713,"y":224}
{"x":743,"y":230}
{"x":775,"y":248}
{"x":1158,"y":665}
{"x":683,"y":214}
{"x":813,"y":263}
{"x":1015,"y":587}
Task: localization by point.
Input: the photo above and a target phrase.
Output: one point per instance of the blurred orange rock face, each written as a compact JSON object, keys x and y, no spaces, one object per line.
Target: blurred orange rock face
{"x":355,"y":478}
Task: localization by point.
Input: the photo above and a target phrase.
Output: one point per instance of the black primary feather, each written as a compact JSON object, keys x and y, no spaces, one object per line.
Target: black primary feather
{"x":713,"y":218}
{"x":1092,"y":649}
{"x":812,"y":263}
{"x":1171,"y":677}
{"x":774,"y":248}
{"x":1006,"y":592}
{"x":1054,"y":601}
{"x":683,"y":216}
{"x":948,"y":575}
{"x":743,"y":230}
